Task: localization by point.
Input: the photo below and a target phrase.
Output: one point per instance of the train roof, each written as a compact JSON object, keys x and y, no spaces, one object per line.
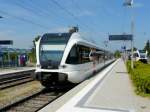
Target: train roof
{"x":75,"y":37}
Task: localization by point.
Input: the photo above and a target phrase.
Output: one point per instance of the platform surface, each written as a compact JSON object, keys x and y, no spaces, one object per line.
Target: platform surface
{"x":110,"y":91}
{"x":116,"y":92}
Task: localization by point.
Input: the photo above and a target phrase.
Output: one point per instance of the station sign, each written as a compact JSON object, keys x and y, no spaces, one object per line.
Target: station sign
{"x":121,"y":37}
{"x":6,"y":42}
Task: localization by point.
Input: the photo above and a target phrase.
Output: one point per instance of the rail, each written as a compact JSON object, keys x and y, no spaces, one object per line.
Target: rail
{"x":16,"y":78}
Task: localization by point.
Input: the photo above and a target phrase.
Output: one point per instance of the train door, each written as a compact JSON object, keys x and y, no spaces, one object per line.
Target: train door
{"x":78,"y":60}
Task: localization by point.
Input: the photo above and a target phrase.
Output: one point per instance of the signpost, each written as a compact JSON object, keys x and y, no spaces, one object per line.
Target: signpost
{"x":129,"y":4}
{"x":124,"y":37}
{"x":6,"y":42}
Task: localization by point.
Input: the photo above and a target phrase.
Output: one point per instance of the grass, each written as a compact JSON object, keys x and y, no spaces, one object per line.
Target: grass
{"x":140,"y":77}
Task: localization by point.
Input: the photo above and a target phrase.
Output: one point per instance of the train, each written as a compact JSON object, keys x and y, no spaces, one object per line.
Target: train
{"x":140,"y":55}
{"x":68,"y":58}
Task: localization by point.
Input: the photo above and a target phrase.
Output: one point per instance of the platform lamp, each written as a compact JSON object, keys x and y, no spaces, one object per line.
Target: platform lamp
{"x":129,"y":4}
{"x":105,"y":50}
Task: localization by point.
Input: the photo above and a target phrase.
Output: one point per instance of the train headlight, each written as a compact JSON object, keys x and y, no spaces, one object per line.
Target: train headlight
{"x":62,"y":66}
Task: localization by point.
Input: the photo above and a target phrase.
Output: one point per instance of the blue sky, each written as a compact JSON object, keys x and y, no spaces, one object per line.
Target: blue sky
{"x":25,"y":19}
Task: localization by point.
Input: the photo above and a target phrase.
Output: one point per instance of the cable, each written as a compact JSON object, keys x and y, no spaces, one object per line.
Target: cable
{"x":79,"y":9}
{"x":31,"y":8}
{"x":43,"y":11}
{"x":76,"y":5}
{"x":26,"y":8}
{"x":24,"y":20}
{"x":69,"y":13}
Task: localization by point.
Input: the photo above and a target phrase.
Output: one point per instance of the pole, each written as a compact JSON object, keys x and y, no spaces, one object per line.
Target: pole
{"x":132,"y":41}
{"x":8,"y":58}
{"x":130,"y":5}
{"x":105,"y":45}
{"x":2,"y":56}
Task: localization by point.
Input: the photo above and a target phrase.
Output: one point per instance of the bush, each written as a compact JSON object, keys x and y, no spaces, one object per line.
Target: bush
{"x":140,"y":76}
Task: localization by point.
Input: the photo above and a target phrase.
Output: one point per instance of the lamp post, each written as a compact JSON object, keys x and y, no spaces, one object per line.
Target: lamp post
{"x":1,"y":59}
{"x":105,"y":50}
{"x":1,"y":17}
{"x":129,"y":3}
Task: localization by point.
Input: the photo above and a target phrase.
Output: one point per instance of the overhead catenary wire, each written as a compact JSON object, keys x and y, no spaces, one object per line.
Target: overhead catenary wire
{"x":80,"y":9}
{"x":93,"y":22}
{"x":26,"y":8}
{"x":40,"y":12}
{"x":29,"y":9}
{"x":24,"y":20}
{"x":46,"y":12}
{"x":43,"y":12}
{"x":20,"y":4}
{"x":76,"y":18}
{"x":70,"y":13}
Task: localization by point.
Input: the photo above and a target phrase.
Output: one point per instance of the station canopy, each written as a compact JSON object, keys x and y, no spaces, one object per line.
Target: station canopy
{"x":11,"y":50}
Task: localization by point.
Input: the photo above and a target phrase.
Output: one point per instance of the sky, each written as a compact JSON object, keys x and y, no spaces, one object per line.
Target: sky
{"x":23,"y":20}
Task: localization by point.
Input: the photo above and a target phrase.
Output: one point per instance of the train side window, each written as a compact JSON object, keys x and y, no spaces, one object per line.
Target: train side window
{"x":78,"y":55}
{"x":84,"y":54}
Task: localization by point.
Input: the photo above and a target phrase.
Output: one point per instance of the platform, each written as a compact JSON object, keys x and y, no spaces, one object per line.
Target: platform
{"x":110,"y":91}
{"x":15,"y":69}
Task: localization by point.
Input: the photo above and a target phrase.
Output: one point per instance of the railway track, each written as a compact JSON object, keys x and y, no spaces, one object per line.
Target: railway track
{"x":14,"y":79}
{"x":34,"y":102}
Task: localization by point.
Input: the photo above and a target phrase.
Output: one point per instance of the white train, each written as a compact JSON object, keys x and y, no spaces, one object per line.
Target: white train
{"x":67,"y":58}
{"x":140,"y":55}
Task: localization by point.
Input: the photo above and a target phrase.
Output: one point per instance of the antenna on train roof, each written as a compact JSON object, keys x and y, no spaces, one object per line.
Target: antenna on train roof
{"x":73,"y":29}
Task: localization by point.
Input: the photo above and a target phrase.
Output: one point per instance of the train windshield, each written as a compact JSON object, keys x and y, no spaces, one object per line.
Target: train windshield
{"x":52,"y":47}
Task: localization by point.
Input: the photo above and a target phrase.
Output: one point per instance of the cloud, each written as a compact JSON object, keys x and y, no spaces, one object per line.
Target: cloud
{"x":6,"y":34}
{"x":138,"y":5}
{"x":59,"y":29}
{"x":84,"y":13}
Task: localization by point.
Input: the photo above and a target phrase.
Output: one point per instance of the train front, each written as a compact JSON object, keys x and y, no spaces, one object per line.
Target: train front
{"x":49,"y":53}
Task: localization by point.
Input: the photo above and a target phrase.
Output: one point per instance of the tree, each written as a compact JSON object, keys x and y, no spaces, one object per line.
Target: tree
{"x":147,"y":47}
{"x":117,"y":54}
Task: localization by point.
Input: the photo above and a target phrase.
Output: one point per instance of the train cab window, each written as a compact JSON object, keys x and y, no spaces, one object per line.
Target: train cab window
{"x":73,"y":56}
{"x":135,"y":55}
{"x":78,"y":55}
